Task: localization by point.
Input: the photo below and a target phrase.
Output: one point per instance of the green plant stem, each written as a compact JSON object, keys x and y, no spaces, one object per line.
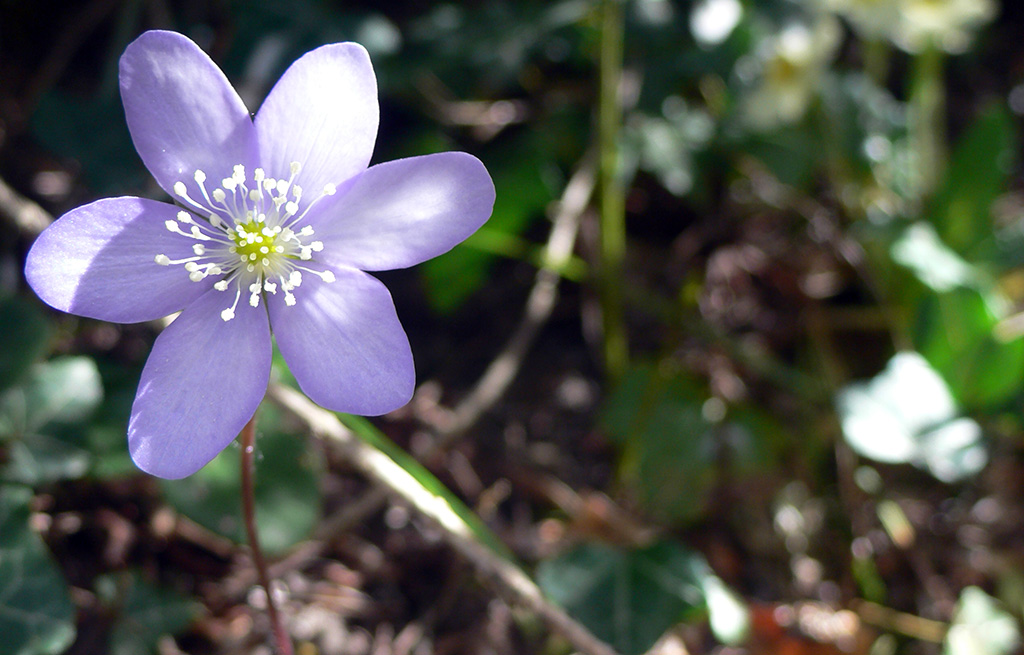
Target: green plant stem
{"x":248,"y":439}
{"x":928,"y":117}
{"x":876,"y":58}
{"x":613,"y":202}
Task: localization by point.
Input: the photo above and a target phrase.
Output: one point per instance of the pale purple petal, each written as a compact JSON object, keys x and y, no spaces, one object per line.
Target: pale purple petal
{"x":202,"y":382}
{"x":98,"y":261}
{"x":344,"y":344}
{"x":323,"y":114}
{"x":182,"y":112}
{"x":403,"y":212}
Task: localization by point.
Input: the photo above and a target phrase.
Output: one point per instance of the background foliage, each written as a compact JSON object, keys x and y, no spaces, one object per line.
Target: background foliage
{"x":814,"y":444}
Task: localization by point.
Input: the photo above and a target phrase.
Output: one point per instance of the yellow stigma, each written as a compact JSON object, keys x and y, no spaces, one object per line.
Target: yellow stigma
{"x":255,"y":244}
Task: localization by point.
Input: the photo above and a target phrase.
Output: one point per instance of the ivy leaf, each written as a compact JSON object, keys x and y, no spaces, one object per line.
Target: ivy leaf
{"x":36,"y":614}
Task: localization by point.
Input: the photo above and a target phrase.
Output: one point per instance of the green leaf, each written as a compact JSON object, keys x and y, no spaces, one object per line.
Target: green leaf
{"x":978,"y":170}
{"x":935,"y":264}
{"x":61,"y":391}
{"x":906,"y":414}
{"x":980,"y":627}
{"x":287,"y":497}
{"x":629,"y":598}
{"x":669,"y":450}
{"x":145,"y":613}
{"x":36,"y":614}
{"x":955,"y":331}
{"x":26,"y":334}
{"x":42,"y":416}
{"x":956,"y":316}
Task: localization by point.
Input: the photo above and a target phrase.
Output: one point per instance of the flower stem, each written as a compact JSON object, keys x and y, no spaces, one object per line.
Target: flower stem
{"x":928,"y":118}
{"x":248,"y":438}
{"x":613,"y":201}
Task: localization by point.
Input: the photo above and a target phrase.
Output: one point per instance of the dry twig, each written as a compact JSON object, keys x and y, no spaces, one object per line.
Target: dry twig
{"x":382,"y":470}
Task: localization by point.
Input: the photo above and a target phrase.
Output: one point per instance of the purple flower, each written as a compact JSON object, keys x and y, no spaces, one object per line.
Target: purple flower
{"x":279,"y":216}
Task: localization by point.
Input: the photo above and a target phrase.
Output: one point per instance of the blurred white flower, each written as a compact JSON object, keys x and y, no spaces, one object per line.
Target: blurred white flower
{"x":870,"y":19}
{"x":712,"y":21}
{"x":914,"y":25}
{"x":944,"y":24}
{"x":789,"y":67}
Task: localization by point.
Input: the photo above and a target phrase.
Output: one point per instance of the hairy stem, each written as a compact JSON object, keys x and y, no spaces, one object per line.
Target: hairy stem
{"x":248,"y":438}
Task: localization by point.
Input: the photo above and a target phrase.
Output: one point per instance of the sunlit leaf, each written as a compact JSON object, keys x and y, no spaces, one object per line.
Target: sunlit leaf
{"x":981,"y":627}
{"x":906,"y":414}
{"x":41,"y":417}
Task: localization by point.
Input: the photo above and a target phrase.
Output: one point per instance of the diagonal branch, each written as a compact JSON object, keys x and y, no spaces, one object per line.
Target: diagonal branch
{"x":512,"y":582}
{"x":539,"y":305}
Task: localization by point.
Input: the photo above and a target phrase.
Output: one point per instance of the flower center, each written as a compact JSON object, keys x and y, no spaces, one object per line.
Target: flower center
{"x":245,"y":234}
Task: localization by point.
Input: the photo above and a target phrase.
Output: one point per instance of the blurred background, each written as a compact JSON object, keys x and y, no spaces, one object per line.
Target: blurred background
{"x":735,"y":367}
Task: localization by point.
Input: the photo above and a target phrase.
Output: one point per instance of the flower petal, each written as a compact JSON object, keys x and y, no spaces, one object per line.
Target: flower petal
{"x":182,"y":112}
{"x":344,"y":344}
{"x":98,"y":261}
{"x":201,"y":384}
{"x":404,"y":212}
{"x":323,"y":114}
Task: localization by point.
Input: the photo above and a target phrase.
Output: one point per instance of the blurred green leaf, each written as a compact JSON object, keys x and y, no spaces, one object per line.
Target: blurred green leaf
{"x":978,"y":171}
{"x":665,"y":145}
{"x":144,"y":612}
{"x":669,"y":450}
{"x":629,"y":598}
{"x":64,"y":391}
{"x":672,"y":453}
{"x":906,"y":414}
{"x":36,"y":614}
{"x":287,"y":497}
{"x":955,"y":331}
{"x":980,"y":627}
{"x":41,"y":419}
{"x":26,"y":334}
{"x":956,"y":317}
{"x":937,"y":266}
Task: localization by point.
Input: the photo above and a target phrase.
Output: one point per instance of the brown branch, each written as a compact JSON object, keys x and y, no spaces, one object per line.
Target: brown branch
{"x":27,"y":216}
{"x":511,"y":581}
{"x":539,"y":305}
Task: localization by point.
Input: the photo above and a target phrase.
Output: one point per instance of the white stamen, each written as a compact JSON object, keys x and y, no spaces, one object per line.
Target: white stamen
{"x":248,"y":234}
